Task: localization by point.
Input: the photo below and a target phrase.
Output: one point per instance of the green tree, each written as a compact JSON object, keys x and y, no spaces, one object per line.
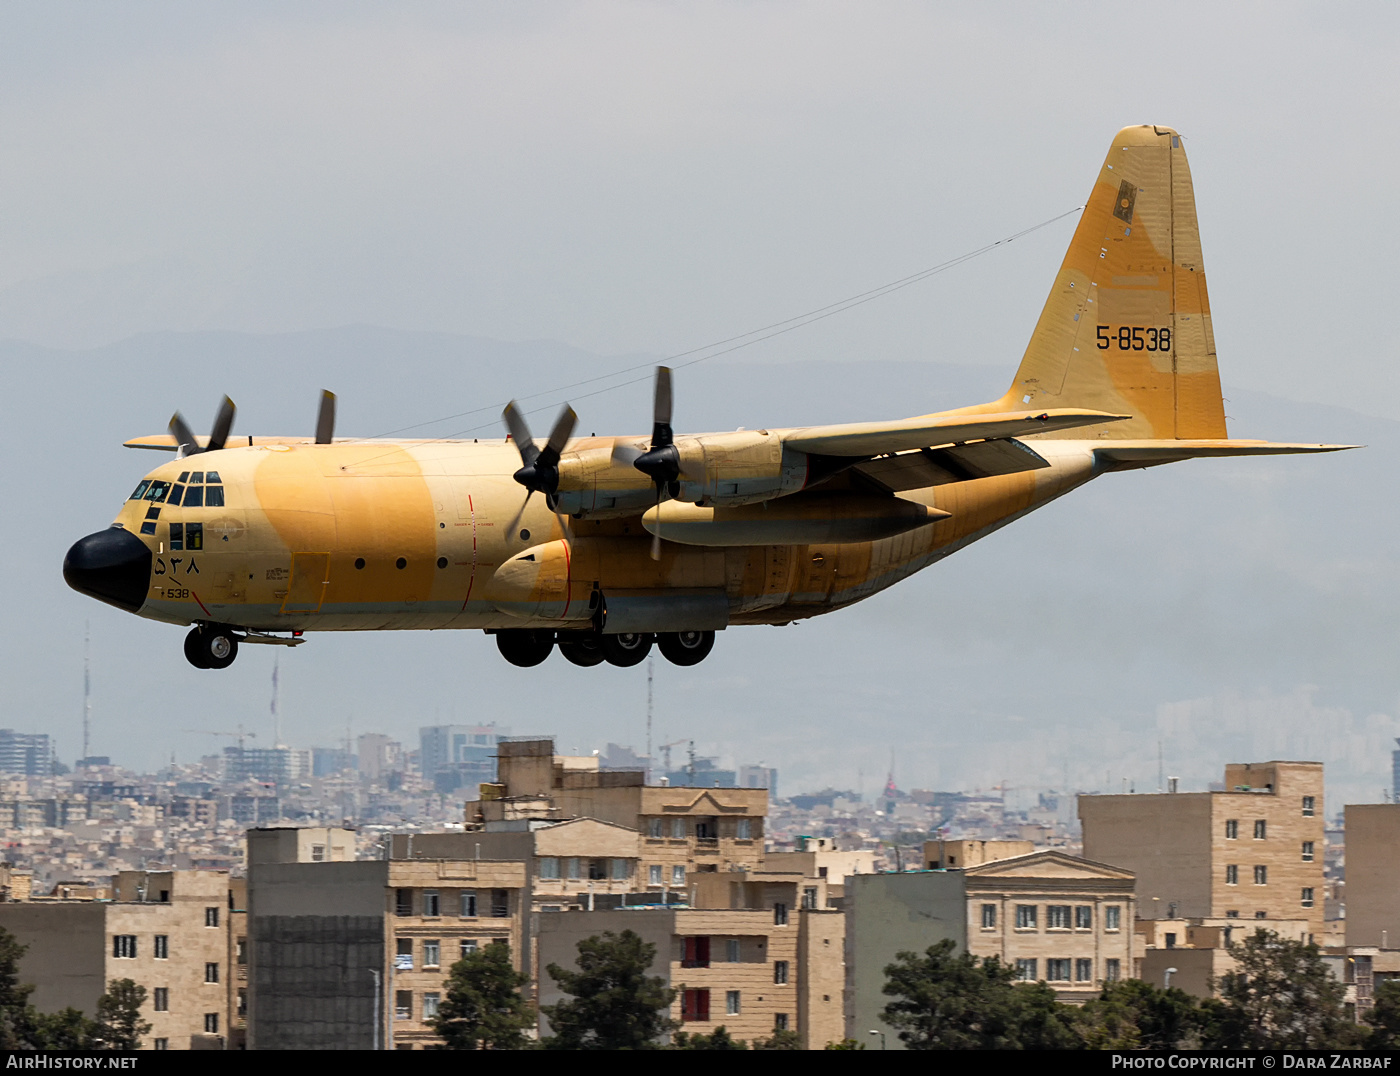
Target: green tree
{"x":1280,"y":997}
{"x":616,"y":1005}
{"x":65,"y":1030}
{"x":956,"y":1001}
{"x":16,"y":1017}
{"x":1135,"y":1015}
{"x":119,"y":1023}
{"x":1385,"y":1017}
{"x":484,"y":1008}
{"x":720,"y":1039}
{"x":781,"y":1040}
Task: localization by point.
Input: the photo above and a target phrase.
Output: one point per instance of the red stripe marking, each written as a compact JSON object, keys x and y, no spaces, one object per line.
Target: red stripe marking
{"x":470,"y":581}
{"x":568,"y":582}
{"x":201,"y":605}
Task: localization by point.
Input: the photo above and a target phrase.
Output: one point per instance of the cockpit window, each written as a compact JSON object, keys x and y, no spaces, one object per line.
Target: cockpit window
{"x":177,"y":537}
{"x":194,"y":535}
{"x":140,"y":490}
{"x":197,"y":478}
{"x":194,"y":496}
{"x":214,"y":496}
{"x":183,"y":476}
{"x":212,"y":477}
{"x":176,"y":492}
{"x":157,"y":491}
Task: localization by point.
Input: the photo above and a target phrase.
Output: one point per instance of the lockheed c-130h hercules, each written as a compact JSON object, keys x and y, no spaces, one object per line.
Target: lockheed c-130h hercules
{"x":667,"y":539}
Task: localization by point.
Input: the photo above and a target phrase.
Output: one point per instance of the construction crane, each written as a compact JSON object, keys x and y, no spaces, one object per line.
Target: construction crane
{"x":666,"y":753}
{"x":240,"y":735}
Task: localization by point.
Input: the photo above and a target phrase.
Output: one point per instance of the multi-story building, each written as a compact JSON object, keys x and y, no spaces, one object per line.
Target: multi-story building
{"x":818,"y":857}
{"x":165,"y":930}
{"x":1192,"y":954}
{"x":355,"y":955}
{"x":379,"y":756}
{"x":1052,"y":917}
{"x":29,"y":753}
{"x":1252,"y":851}
{"x":459,"y":756}
{"x":1373,"y":875}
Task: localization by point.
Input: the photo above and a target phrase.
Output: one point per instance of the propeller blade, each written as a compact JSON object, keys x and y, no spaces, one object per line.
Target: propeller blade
{"x":624,"y":453}
{"x":185,"y":443}
{"x":514,"y":523}
{"x":656,"y":534}
{"x":661,"y":404}
{"x":563,"y":427}
{"x":223,"y":423}
{"x":325,"y":418}
{"x":520,"y":433}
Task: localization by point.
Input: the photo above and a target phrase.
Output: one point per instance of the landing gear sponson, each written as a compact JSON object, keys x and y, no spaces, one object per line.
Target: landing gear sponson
{"x":528,"y":647}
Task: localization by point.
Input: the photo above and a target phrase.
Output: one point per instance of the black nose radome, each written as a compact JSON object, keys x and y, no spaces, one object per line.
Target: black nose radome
{"x":113,"y":566}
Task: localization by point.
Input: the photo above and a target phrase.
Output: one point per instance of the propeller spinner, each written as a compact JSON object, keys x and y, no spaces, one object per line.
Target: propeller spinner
{"x":539,"y":472}
{"x":188,"y":445}
{"x":662,"y":462}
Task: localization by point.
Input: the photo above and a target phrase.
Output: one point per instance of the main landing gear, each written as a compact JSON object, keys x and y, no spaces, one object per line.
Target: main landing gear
{"x":529,"y":647}
{"x":211,"y":646}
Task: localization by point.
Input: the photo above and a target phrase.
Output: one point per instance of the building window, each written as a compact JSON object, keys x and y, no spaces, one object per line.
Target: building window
{"x":780,"y":972}
{"x":1232,"y":829}
{"x":1083,"y":917}
{"x":1233,"y":913}
{"x":1025,"y":970}
{"x":1171,"y":940}
{"x":403,"y":1004}
{"x":211,"y":1023}
{"x":1309,"y":806}
{"x":1261,"y":915}
{"x":1057,"y":917}
{"x":597,"y":870}
{"x":549,"y":868}
{"x":1260,"y":829}
{"x":242,"y":1002}
{"x":743,"y":829}
{"x":732,"y":950}
{"x":211,"y":917}
{"x":430,"y":1005}
{"x":678,"y":874}
{"x":731,"y":1002}
{"x":621,"y":870}
{"x":500,"y":904}
{"x":697,"y":952}
{"x":240,"y":951}
{"x":432,"y":954}
{"x":1025,"y":917}
{"x":1057,"y":971}
{"x":1232,"y":874}
{"x":160,"y":1044}
{"x":1307,"y":897}
{"x":695,"y":1006}
{"x":318,"y":853}
{"x":655,"y":827}
{"x":780,"y":916}
{"x":575,"y":871}
{"x":469,"y":904}
{"x":211,"y":972}
{"x":466,"y":947}
{"x":809,"y":897}
{"x":1261,"y":875}
{"x":989,"y":917}
{"x":678,"y":832}
{"x":403,"y":902}
{"x":1111,"y":917}
{"x":654,"y":874}
{"x":1111,"y":970}
{"x":160,"y":999}
{"x":124,"y":946}
{"x":162,"y":946}
{"x":1083,"y":970}
{"x":780,"y":1021}
{"x":432,"y":905}
{"x":1307,"y":851}
{"x":403,"y":954}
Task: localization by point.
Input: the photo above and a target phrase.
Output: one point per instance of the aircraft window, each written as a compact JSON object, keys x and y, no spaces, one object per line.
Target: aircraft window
{"x":197,"y":478}
{"x":359,"y":562}
{"x":194,"y":497}
{"x":177,"y":537}
{"x":212,"y":477}
{"x":152,"y":513}
{"x":183,"y":476}
{"x":214,"y":496}
{"x":194,"y":535}
{"x":157,"y":491}
{"x":176,"y":491}
{"x":140,"y":490}
{"x":148,"y":527}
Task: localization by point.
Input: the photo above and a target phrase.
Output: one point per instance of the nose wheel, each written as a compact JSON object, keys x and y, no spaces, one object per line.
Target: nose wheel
{"x":211,"y":646}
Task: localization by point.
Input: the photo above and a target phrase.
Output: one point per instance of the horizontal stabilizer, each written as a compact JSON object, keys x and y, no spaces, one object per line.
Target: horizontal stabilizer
{"x":926,"y":431}
{"x":1125,"y":455}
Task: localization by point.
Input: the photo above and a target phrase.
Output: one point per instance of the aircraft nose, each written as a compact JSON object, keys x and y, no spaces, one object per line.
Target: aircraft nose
{"x":113,"y":566}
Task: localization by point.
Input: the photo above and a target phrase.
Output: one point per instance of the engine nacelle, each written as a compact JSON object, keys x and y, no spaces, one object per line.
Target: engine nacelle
{"x":808,"y":519}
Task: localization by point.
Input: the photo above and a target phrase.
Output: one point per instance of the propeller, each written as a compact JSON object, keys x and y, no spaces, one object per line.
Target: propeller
{"x":185,"y":442}
{"x":325,"y":418}
{"x":662,"y":462}
{"x":539,"y":472}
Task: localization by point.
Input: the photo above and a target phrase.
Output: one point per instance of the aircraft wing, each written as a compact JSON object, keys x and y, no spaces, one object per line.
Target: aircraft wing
{"x":882,"y":438}
{"x":164,"y":442}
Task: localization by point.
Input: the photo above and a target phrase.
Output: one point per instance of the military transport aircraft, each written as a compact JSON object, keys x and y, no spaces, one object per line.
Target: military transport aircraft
{"x":667,"y":539}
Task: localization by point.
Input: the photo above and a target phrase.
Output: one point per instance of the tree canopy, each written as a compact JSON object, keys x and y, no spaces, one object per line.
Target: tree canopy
{"x":484,"y":1008}
{"x":615,"y":1004}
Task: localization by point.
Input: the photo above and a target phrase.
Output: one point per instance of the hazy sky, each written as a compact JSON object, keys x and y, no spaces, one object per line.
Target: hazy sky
{"x":637,"y":179}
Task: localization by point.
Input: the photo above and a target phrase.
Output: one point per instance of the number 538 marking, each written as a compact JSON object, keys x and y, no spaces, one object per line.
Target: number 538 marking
{"x":1134,"y":338}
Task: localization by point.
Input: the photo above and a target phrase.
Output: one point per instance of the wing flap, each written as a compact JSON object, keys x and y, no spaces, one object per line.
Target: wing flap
{"x":958,"y":463}
{"x":925,"y":431}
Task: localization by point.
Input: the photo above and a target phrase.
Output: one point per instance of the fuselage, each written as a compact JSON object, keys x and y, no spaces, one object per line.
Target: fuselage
{"x":368,"y":535}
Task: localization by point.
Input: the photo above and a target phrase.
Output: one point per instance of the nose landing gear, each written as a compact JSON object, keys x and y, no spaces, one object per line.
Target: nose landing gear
{"x":211,"y":646}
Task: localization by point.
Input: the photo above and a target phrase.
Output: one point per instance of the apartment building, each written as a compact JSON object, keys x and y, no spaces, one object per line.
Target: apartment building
{"x":1192,"y":954}
{"x":1251,"y":851}
{"x":165,"y":930}
{"x":1373,"y":875}
{"x":355,"y":955}
{"x":818,"y":857}
{"x":1051,"y":916}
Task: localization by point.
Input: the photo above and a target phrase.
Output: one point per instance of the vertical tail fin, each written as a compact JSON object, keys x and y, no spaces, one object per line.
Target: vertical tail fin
{"x":1127,"y":325}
